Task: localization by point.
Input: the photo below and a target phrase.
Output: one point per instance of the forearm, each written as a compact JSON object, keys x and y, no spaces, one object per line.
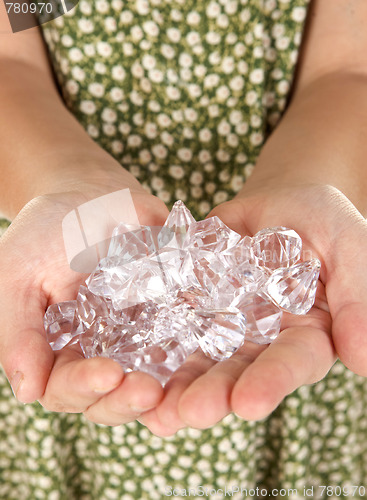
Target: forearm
{"x":321,"y":140}
{"x":42,"y":145}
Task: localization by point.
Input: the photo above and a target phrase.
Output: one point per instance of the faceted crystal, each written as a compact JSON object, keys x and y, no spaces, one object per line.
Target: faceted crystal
{"x":110,"y":278}
{"x":109,"y":339}
{"x":175,"y":228}
{"x":149,"y":281}
{"x":276,"y":247}
{"x":186,"y":269}
{"x":160,"y":360}
{"x":251,"y":277}
{"x":90,"y":307}
{"x":211,"y":272}
{"x":115,"y":342}
{"x":169,"y":261}
{"x":197,"y":298}
{"x":221,"y":332}
{"x":262,"y":317}
{"x":131,"y":283}
{"x":143,"y":317}
{"x":294,"y":288}
{"x":210,"y":235}
{"x":179,"y":323}
{"x":61,"y":324}
{"x":242,"y":253}
{"x":131,"y":245}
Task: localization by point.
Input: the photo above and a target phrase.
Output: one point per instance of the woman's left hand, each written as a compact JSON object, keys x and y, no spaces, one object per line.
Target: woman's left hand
{"x":257,"y":378}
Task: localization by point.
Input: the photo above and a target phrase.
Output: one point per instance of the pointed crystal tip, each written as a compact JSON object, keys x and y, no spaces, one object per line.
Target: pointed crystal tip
{"x":293,"y":289}
{"x":179,"y":203}
{"x":174,"y":231}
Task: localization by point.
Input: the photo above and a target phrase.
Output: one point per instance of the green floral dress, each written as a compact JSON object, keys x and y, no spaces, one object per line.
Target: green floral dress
{"x":184,"y":94}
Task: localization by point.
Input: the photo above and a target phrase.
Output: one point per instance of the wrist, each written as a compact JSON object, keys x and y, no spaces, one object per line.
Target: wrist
{"x":93,"y":175}
{"x":268,"y":182}
{"x":320,"y":140}
{"x":90,"y":174}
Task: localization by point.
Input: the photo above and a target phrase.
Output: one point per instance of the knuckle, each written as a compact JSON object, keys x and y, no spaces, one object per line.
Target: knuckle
{"x":58,"y":406}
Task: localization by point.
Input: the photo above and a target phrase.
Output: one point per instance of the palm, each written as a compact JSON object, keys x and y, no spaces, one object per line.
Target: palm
{"x":36,"y":274}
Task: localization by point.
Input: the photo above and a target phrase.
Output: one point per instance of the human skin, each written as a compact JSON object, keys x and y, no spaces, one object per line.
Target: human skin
{"x":310,"y":176}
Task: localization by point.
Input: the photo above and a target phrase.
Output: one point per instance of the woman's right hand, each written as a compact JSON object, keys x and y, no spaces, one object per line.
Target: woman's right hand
{"x":34,"y":273}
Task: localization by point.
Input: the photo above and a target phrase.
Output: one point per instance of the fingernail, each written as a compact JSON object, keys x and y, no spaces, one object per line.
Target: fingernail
{"x":16,"y":382}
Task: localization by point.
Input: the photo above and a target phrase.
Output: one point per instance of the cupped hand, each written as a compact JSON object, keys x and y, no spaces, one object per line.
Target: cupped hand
{"x":34,"y":273}
{"x":256,"y":378}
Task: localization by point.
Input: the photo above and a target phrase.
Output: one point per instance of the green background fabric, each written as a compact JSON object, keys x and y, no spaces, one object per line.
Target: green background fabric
{"x":183,"y":94}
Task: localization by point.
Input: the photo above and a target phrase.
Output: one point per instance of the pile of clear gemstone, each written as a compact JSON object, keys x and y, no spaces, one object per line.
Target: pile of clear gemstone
{"x":159,"y":296}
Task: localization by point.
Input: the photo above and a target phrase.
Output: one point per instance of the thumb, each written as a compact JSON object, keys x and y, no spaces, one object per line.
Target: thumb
{"x":233,"y":214}
{"x":25,"y":355}
{"x":346,"y":290}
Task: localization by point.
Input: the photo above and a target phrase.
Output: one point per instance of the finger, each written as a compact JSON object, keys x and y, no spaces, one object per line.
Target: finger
{"x":207,"y":400}
{"x":233,"y":215}
{"x":76,"y":383}
{"x":350,"y":336}
{"x":25,"y":354}
{"x":167,"y":415}
{"x":300,"y":355}
{"x":346,"y":291}
{"x":138,"y":393}
{"x":152,"y":422}
{"x":165,"y":420}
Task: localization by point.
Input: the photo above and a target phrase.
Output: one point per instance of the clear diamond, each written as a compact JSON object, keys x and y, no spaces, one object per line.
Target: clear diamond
{"x":107,"y":338}
{"x":221,"y":332}
{"x":197,"y":298}
{"x":111,"y":341}
{"x":211,"y":235}
{"x":276,"y":247}
{"x":294,"y":288}
{"x":90,"y":307}
{"x":175,"y":228}
{"x":110,"y":278}
{"x":210,"y":271}
{"x":169,"y":261}
{"x":148,"y":282}
{"x":242,"y":253}
{"x":262,"y":317}
{"x":251,"y":277}
{"x":130,"y":283}
{"x":128,"y":244}
{"x":161,"y":359}
{"x":179,"y":323}
{"x":61,"y":324}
